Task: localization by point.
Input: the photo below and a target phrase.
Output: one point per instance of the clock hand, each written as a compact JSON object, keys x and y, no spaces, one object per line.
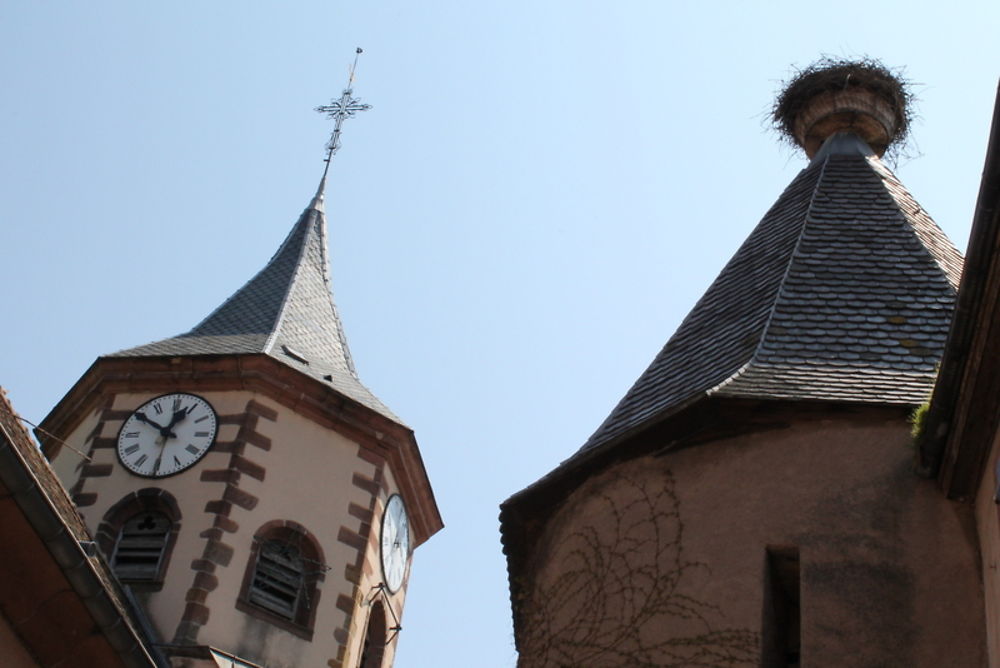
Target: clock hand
{"x":162,"y":442}
{"x":142,"y":418}
{"x":177,"y":417}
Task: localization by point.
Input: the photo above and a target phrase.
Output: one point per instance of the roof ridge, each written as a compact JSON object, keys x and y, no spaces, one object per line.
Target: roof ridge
{"x":781,"y":284}
{"x":308,"y":215}
{"x":931,"y":236}
{"x":324,"y":253}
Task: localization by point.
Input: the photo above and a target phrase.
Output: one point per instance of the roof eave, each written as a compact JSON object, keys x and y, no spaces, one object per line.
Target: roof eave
{"x":58,"y":540}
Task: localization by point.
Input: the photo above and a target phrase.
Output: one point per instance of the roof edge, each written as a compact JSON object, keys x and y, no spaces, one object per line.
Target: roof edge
{"x":940,"y":439}
{"x":111,"y":616}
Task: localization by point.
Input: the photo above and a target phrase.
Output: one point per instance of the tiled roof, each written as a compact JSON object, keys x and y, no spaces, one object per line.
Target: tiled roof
{"x":844,"y":291}
{"x":285,"y":311}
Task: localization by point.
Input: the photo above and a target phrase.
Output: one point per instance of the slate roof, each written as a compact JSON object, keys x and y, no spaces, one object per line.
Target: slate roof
{"x":285,"y":311}
{"x":844,"y":291}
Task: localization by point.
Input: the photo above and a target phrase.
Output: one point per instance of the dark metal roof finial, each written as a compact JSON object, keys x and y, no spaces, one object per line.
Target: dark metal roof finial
{"x":340,"y":110}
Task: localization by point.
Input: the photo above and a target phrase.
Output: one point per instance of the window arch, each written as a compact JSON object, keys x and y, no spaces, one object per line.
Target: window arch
{"x":281,"y":580}
{"x":137,"y":537}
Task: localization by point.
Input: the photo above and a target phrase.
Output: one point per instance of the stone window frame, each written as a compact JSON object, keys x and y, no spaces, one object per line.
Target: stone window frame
{"x":303,"y":621}
{"x":147,"y":500}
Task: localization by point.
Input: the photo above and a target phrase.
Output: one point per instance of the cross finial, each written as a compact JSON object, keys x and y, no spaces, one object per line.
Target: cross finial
{"x":340,"y":110}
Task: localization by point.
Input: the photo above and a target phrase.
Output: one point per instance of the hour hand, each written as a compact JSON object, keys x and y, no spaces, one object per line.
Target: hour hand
{"x":177,"y":417}
{"x":142,"y":418}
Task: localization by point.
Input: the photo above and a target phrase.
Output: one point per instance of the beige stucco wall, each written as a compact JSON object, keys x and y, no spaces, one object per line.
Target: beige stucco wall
{"x":661,"y":560}
{"x":308,"y":480}
{"x":988,"y":524}
{"x":67,"y":462}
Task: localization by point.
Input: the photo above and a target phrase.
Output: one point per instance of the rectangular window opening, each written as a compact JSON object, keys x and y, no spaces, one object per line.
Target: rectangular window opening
{"x":781,"y":619}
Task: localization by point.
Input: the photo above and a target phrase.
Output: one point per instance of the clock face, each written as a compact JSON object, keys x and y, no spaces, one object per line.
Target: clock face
{"x":166,"y":435}
{"x":395,"y":543}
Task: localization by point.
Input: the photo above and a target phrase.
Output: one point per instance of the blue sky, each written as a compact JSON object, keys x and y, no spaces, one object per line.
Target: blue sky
{"x":539,"y":195}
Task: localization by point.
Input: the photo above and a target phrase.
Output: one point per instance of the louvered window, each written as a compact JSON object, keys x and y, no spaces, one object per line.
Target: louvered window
{"x":277,"y":579}
{"x":141,"y":544}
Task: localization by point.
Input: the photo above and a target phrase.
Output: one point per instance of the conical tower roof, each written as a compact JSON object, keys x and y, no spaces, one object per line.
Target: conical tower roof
{"x":844,"y":291}
{"x":286,"y":311}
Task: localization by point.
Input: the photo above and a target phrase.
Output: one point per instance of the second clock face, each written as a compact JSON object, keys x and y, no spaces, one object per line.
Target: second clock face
{"x":167,"y":435}
{"x":395,"y":543}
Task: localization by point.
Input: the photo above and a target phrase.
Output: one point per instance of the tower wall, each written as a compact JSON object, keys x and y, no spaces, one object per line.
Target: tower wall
{"x":269,"y":469}
{"x":663,"y":560}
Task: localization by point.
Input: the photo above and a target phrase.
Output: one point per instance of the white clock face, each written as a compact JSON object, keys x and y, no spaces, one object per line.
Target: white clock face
{"x":395,"y":543}
{"x":166,"y":435}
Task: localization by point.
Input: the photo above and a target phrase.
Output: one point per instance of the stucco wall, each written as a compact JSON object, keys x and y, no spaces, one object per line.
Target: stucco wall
{"x":661,"y":560}
{"x":988,"y":523}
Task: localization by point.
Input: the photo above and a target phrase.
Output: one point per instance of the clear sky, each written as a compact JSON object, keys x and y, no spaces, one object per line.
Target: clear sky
{"x":540,"y":193}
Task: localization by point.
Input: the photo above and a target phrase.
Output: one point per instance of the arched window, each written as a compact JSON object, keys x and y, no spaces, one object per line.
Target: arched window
{"x":373,"y":650}
{"x":137,"y":536}
{"x":280,"y":584}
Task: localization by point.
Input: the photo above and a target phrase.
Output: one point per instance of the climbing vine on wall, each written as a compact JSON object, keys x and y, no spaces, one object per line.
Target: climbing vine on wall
{"x":616,"y":592}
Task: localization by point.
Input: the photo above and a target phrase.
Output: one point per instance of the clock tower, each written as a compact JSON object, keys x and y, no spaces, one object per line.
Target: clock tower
{"x":260,"y":502}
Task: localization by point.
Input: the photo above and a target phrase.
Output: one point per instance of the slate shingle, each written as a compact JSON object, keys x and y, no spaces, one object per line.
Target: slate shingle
{"x":285,"y":311}
{"x":844,"y":291}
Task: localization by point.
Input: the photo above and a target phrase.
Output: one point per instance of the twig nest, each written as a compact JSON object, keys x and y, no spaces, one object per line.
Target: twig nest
{"x":860,"y":97}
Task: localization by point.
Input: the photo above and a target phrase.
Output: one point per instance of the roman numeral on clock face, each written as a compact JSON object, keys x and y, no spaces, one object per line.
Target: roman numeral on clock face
{"x":192,"y":449}
{"x":141,"y":460}
{"x":130,"y":449}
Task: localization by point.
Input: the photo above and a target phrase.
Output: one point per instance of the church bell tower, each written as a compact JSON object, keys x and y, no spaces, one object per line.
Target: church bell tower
{"x":260,"y":502}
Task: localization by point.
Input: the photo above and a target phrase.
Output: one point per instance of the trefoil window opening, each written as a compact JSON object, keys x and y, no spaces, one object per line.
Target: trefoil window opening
{"x":141,"y":546}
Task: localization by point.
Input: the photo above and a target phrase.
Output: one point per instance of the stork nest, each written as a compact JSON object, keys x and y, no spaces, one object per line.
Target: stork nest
{"x":831,"y":74}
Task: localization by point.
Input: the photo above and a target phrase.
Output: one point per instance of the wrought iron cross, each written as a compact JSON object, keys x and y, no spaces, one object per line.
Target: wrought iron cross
{"x":340,"y":110}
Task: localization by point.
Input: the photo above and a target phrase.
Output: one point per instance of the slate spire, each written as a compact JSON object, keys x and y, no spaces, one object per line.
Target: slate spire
{"x":286,"y":311}
{"x":843,"y":292}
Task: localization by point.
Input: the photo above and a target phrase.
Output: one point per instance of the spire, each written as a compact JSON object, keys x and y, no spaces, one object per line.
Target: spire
{"x":286,"y":311}
{"x":843,"y":292}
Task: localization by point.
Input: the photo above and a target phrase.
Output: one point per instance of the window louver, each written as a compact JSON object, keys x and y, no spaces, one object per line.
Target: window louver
{"x":140,"y":547}
{"x":277,"y":580}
